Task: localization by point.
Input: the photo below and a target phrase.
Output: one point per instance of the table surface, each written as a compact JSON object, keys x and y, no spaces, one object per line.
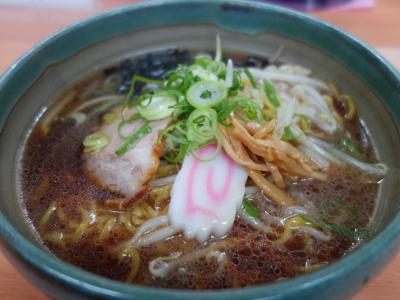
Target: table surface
{"x":21,"y":28}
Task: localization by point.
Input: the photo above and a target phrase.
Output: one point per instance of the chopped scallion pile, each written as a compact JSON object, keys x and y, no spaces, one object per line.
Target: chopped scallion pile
{"x":197,"y":98}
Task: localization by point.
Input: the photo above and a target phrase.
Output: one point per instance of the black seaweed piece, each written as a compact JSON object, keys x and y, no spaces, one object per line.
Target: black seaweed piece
{"x":152,"y":65}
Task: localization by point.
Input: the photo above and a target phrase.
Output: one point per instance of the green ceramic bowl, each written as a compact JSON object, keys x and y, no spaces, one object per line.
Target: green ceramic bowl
{"x":34,"y":81}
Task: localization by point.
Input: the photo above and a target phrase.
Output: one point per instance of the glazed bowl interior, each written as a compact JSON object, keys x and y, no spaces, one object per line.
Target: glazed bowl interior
{"x":335,"y":57}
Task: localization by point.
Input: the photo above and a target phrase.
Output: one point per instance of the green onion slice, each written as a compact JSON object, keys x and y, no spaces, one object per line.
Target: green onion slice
{"x":127,"y":121}
{"x":250,"y":209}
{"x":179,"y":79}
{"x":346,"y":144}
{"x":207,"y":63}
{"x":218,"y":68}
{"x":205,"y":94}
{"x":202,"y":73}
{"x":106,"y":106}
{"x":336,"y":228}
{"x":202,"y":60}
{"x":156,"y":107}
{"x":141,"y":132}
{"x":271,"y":94}
{"x":95,"y":142}
{"x":78,"y":117}
{"x":109,"y":118}
{"x":252,"y":110}
{"x":181,"y":108}
{"x":251,"y":78}
{"x":202,"y":125}
{"x":176,"y":143}
{"x":142,"y":79}
{"x":288,"y":134}
{"x":218,"y":48}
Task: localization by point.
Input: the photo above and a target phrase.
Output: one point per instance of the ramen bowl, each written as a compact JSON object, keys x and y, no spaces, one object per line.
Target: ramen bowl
{"x":40,"y":76}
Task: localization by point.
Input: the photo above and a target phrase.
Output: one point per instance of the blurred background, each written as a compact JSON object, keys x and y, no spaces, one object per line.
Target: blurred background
{"x":23,"y":23}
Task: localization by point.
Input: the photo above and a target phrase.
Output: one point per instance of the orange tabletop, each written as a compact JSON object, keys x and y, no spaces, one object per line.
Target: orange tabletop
{"x":22,"y":27}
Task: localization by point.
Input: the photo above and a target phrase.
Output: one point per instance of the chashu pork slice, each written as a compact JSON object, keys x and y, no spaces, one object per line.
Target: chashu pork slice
{"x":127,"y":173}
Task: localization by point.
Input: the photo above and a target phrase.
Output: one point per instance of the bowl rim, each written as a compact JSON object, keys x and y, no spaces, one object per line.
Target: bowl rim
{"x":92,"y":284}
